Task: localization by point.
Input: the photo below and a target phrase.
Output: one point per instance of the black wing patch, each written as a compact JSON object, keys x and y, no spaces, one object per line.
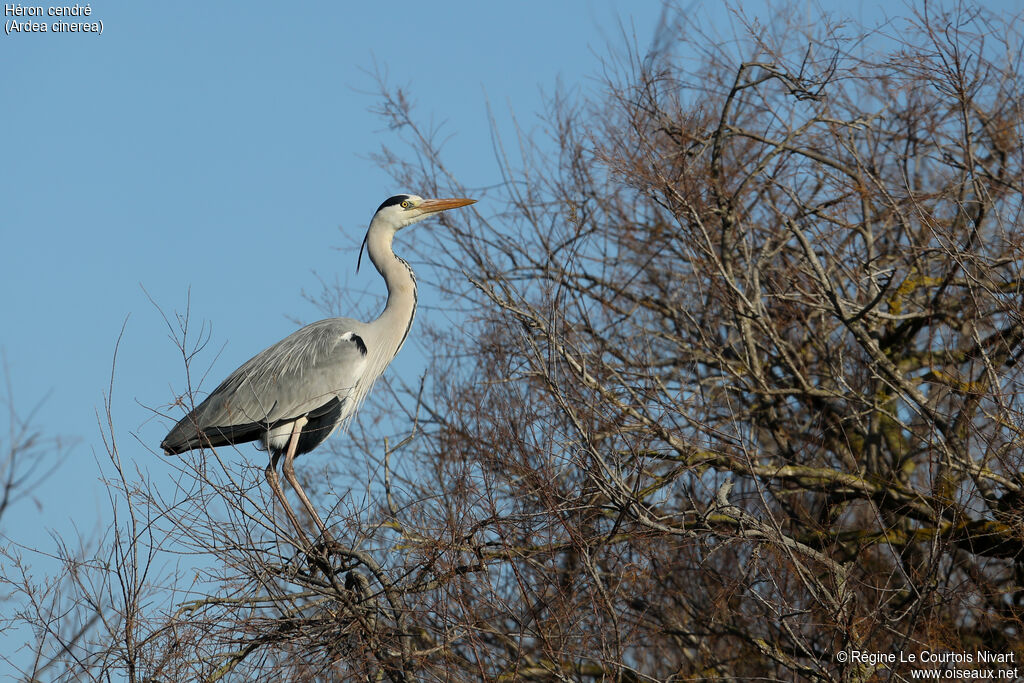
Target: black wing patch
{"x":321,"y":422}
{"x":186,"y":436}
{"x":360,"y":344}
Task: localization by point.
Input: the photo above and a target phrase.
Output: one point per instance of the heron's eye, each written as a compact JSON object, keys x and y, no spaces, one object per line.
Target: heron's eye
{"x":407,"y":204}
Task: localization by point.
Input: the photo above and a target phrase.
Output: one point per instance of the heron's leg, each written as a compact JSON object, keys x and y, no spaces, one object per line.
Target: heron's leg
{"x":289,"y":473}
{"x":275,"y":485}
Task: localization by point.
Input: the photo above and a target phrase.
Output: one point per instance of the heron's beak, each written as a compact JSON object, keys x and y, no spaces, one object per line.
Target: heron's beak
{"x":435,"y":205}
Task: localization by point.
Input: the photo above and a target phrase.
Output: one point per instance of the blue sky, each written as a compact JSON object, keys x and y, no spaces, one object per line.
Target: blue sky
{"x":221,"y":151}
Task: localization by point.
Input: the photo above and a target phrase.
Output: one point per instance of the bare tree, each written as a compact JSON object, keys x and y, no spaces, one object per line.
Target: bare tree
{"x":738,"y":388}
{"x":30,"y":455}
{"x":732,"y":387}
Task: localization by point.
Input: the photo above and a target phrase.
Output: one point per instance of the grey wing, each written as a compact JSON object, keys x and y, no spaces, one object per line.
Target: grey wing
{"x":313,"y":372}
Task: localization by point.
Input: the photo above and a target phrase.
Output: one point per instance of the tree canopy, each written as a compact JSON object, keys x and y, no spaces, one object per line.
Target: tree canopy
{"x":735,"y":389}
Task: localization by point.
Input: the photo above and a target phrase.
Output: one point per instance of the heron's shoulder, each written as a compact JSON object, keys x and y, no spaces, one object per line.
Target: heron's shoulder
{"x":332,"y":326}
{"x":327,"y":335}
{"x":315,"y":340}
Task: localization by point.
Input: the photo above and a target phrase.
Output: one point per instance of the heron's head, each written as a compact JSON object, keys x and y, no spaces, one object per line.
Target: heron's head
{"x":405,"y":209}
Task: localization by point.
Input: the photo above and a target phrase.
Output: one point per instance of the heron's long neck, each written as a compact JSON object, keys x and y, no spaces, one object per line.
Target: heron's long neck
{"x":396,"y":319}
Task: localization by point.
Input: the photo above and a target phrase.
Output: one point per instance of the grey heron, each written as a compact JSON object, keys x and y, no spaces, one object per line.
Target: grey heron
{"x":293,"y":395}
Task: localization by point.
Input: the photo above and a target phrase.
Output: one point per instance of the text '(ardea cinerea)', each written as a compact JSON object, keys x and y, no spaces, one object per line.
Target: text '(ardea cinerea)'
{"x":293,"y":395}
